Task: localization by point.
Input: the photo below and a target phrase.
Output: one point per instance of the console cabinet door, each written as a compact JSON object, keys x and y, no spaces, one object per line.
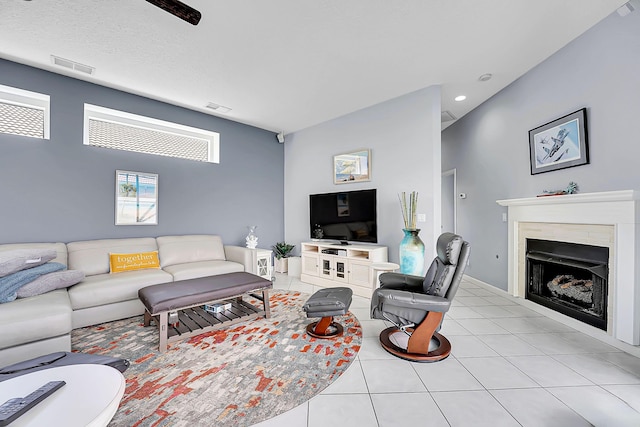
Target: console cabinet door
{"x":334,"y":268}
{"x":360,"y":273}
{"x":262,"y":263}
{"x":310,"y":264}
{"x":341,"y":271}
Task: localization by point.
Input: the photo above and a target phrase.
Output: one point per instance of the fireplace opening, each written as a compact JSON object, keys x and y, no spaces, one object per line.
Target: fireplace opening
{"x":570,"y":278}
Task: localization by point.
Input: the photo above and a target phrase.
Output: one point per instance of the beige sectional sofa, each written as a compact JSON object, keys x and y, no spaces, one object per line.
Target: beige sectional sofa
{"x":42,"y":324}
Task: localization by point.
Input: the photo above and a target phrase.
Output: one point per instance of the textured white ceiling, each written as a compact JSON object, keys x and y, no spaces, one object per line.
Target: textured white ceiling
{"x":284,"y":65}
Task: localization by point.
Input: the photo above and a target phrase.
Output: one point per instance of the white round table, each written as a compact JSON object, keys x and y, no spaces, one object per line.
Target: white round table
{"x":90,"y":397}
{"x":382,"y":267}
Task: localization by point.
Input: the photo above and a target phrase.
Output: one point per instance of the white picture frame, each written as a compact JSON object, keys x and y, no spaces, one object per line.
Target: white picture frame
{"x":351,"y":167}
{"x":136,"y":198}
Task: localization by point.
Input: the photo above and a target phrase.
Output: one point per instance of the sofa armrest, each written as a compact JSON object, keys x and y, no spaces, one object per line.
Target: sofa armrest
{"x":240,"y":255}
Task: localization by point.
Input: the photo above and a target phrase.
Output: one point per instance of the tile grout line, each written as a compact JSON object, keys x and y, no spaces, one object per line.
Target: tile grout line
{"x":581,"y":346}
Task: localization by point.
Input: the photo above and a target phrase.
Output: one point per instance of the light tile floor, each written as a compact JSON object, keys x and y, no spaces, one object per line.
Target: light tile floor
{"x":509,"y":366}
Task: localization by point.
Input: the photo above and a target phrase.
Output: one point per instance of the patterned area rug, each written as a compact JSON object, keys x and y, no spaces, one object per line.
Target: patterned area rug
{"x":238,"y":376}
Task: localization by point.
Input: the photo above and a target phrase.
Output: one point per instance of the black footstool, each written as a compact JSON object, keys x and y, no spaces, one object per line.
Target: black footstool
{"x":327,"y":303}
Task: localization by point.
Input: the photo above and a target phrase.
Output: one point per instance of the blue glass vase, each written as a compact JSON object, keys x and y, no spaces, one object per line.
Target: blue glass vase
{"x":412,"y":253}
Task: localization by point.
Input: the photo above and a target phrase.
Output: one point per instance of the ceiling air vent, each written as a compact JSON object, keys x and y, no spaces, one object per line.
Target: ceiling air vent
{"x":72,"y":65}
{"x":218,"y":108}
{"x":446,"y":116}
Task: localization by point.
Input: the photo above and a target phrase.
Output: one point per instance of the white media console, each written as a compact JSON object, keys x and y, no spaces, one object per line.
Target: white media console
{"x":330,"y":265}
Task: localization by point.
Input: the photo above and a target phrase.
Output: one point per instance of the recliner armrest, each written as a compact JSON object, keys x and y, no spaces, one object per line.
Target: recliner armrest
{"x":401,"y":282}
{"x":411,"y":300}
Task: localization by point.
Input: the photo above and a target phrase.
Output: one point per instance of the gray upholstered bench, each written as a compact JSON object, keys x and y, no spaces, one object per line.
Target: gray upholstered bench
{"x":327,"y":303}
{"x":184,"y":300}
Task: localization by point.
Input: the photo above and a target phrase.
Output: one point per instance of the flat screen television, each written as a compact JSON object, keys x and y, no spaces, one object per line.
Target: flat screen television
{"x":347,"y":216}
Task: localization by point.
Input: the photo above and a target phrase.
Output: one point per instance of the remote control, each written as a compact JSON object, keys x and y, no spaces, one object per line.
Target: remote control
{"x":14,"y":408}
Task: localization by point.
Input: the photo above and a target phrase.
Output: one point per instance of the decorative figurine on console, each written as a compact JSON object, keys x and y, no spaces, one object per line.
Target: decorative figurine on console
{"x":572,"y":188}
{"x":252,"y":239}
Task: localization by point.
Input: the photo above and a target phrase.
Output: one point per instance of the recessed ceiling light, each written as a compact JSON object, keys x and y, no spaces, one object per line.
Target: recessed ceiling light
{"x":460,"y":98}
{"x":485,"y":77}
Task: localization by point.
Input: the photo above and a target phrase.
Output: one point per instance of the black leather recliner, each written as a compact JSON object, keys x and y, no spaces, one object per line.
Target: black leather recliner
{"x":416,"y":305}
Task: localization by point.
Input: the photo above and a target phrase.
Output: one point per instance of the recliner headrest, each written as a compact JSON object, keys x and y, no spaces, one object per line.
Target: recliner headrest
{"x":448,"y":248}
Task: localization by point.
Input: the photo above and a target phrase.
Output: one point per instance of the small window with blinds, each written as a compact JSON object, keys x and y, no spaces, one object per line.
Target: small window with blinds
{"x":118,"y":130}
{"x":24,"y":113}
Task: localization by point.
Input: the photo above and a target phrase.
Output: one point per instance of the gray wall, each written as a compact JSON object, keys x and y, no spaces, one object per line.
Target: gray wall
{"x":61,"y":190}
{"x":490,"y":150}
{"x":404,"y":137}
{"x":449,"y":197}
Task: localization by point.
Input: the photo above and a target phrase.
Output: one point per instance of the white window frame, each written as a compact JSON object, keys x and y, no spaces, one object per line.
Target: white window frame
{"x":120,"y":117}
{"x":28,"y":99}
{"x":121,"y":218}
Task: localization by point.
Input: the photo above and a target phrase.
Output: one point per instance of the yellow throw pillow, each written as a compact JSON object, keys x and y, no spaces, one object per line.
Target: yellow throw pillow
{"x":136,"y":261}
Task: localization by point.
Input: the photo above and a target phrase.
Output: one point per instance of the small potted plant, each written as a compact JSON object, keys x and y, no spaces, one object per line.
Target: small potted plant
{"x":281,"y":250}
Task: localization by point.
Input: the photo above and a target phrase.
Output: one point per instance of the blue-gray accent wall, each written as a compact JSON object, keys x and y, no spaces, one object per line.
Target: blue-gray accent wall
{"x":489,"y":147}
{"x":62,"y":190}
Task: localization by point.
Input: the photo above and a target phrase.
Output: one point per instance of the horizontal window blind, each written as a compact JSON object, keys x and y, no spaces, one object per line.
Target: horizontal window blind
{"x":130,"y":138}
{"x":119,"y":130}
{"x":19,"y":120}
{"x":24,"y":113}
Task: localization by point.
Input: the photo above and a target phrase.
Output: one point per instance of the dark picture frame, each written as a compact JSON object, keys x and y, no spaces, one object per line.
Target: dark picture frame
{"x":560,"y":144}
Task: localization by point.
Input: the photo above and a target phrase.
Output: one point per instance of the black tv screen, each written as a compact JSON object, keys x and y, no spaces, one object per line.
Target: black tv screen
{"x":347,"y":216}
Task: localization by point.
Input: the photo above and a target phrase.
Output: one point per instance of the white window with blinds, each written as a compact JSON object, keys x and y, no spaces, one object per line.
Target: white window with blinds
{"x":118,"y":130}
{"x":24,"y":113}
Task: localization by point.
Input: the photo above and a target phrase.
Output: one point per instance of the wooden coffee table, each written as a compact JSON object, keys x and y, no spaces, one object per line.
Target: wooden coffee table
{"x":187,"y":298}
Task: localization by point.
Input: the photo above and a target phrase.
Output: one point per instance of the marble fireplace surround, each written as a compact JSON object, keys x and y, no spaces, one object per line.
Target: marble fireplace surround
{"x":610,"y":219}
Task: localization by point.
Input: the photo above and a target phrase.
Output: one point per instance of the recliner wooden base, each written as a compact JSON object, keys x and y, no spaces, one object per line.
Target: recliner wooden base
{"x":418,"y":345}
{"x":440,"y":353}
{"x":322,"y":328}
{"x":325,"y":304}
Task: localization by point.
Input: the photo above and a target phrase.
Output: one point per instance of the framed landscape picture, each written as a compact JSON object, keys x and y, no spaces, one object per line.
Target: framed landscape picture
{"x":136,"y":198}
{"x":352,"y":167}
{"x":559,"y":144}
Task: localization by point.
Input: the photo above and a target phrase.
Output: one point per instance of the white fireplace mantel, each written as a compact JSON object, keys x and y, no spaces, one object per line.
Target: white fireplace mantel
{"x":602,"y":197}
{"x":618,"y":209}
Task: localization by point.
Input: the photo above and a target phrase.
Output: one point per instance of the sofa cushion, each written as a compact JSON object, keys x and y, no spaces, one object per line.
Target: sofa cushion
{"x":20,"y":259}
{"x":133,"y":261}
{"x":102,"y":289}
{"x":37,"y":318}
{"x":192,"y":270}
{"x":11,"y":283}
{"x":92,"y":256}
{"x":50,"y":282}
{"x":192,"y":248}
{"x":60,"y":248}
